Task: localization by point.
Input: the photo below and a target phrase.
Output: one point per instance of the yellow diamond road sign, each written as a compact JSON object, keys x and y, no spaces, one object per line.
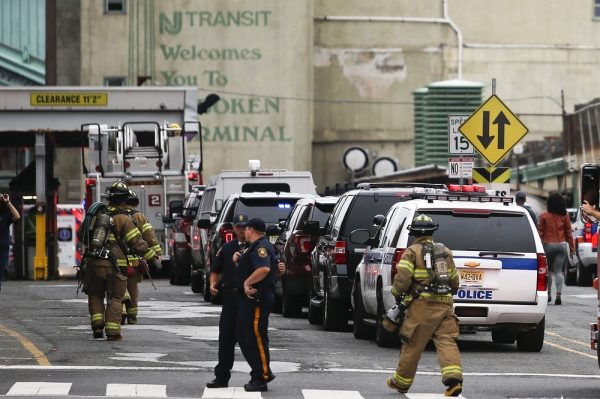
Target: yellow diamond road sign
{"x":493,"y":130}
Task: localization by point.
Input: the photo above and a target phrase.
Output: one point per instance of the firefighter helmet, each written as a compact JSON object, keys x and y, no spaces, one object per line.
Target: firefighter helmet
{"x":422,"y":225}
{"x":117,"y":192}
{"x":133,"y":199}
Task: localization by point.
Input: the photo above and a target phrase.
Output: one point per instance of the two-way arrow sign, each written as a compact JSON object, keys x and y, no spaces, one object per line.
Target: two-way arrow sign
{"x":493,"y":140}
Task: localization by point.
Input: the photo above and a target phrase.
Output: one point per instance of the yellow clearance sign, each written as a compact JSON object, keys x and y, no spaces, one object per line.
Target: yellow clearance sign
{"x":493,"y":130}
{"x":64,"y":99}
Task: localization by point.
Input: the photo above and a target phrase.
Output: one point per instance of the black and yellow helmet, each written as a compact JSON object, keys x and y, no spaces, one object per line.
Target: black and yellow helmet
{"x":132,"y":199}
{"x":422,"y":225}
{"x":117,"y":192}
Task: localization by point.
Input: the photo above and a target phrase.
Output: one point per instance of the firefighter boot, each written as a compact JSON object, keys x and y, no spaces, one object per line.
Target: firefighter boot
{"x":98,"y":333}
{"x":392,"y":384}
{"x":454,"y":387}
{"x":126,"y":302}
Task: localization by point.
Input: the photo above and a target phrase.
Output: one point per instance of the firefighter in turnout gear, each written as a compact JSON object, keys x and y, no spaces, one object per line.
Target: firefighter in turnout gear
{"x":103,"y":276}
{"x":135,"y":270}
{"x":427,"y":272}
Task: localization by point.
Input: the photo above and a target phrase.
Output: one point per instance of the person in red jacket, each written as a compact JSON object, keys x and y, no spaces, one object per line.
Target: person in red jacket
{"x":555,"y":231}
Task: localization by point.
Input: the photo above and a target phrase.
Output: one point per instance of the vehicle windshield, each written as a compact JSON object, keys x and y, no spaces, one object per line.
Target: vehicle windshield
{"x":495,"y":231}
{"x":270,"y":210}
{"x":321,"y":212}
{"x":190,"y":208}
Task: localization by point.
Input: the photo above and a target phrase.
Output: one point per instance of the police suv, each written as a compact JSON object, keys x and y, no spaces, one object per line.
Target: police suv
{"x":498,"y":254}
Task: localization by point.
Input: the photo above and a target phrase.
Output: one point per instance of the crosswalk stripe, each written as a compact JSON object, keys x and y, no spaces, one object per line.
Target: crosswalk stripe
{"x":39,"y":388}
{"x":330,"y":394}
{"x":230,"y":393}
{"x":145,"y":390}
{"x":428,"y":396}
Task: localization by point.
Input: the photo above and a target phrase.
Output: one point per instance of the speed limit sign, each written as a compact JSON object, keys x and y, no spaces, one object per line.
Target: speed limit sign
{"x":457,"y":143}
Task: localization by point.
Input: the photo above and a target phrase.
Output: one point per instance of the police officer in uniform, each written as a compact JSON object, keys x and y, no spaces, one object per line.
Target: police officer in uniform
{"x":103,"y":275}
{"x":258,"y":266}
{"x":427,"y":272}
{"x":135,"y":272}
{"x":224,"y":277}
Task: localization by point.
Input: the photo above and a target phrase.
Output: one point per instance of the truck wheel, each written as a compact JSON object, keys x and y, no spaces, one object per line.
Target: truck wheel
{"x":360,"y":329}
{"x":532,"y":340}
{"x":384,"y":338}
{"x":315,"y":315}
{"x":503,"y":336}
{"x":334,"y":317}
{"x":196,"y":283}
{"x":585,"y":275}
{"x":291,"y":306}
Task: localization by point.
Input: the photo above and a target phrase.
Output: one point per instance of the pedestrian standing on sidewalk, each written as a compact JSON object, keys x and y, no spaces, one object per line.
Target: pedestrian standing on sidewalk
{"x":8,"y":215}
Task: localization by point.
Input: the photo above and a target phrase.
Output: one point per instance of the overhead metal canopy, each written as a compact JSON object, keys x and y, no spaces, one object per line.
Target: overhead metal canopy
{"x":64,"y":109}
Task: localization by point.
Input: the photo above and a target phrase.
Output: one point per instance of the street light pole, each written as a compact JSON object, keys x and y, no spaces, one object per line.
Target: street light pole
{"x":203,"y":108}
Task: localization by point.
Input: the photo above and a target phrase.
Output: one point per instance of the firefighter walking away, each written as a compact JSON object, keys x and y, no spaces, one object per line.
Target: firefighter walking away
{"x":427,"y":274}
{"x":108,"y":235}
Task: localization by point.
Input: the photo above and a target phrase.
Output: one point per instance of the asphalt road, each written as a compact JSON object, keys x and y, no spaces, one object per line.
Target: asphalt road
{"x":46,"y":348}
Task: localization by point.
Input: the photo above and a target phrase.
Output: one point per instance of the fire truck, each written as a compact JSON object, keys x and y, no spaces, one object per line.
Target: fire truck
{"x":150,"y":157}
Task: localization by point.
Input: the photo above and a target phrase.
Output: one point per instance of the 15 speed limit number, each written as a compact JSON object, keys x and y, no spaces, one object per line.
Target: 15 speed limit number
{"x":457,"y":143}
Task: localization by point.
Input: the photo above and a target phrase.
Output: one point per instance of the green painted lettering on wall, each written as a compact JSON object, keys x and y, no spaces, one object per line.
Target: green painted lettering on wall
{"x":246,"y":105}
{"x":244,"y":134}
{"x":210,"y":19}
{"x":193,"y":53}
{"x":174,"y":79}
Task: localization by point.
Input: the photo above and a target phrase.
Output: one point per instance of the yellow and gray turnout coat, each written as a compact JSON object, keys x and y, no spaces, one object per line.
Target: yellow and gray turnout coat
{"x":430,"y":316}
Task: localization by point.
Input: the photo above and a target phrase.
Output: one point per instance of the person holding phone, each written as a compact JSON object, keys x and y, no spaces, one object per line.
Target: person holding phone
{"x":8,"y":215}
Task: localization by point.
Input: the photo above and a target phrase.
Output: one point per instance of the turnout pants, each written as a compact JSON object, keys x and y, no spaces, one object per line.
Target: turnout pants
{"x":251,"y":331}
{"x":425,"y":321}
{"x":131,"y":306}
{"x":101,"y":282}
{"x":227,"y":336}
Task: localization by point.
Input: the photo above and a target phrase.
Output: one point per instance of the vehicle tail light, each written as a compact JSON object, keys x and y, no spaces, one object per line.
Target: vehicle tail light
{"x":193,"y":175}
{"x":339,"y":252}
{"x":587,"y":232}
{"x":594,"y":242}
{"x":395,"y":260}
{"x":227,"y":234}
{"x":90,"y":182}
{"x":304,"y":244}
{"x":542,"y":272}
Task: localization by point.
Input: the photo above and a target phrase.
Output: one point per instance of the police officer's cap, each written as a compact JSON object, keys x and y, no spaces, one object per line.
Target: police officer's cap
{"x":257,"y":224}
{"x":240,"y":220}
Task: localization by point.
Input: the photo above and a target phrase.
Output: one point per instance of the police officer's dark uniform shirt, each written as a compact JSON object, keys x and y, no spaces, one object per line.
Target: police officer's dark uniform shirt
{"x":259,"y":254}
{"x":6,"y":219}
{"x":224,"y":265}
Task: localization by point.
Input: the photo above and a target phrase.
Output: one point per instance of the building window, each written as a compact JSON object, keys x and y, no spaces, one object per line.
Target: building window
{"x":114,"y":6}
{"x":597,"y":9}
{"x":115,"y":81}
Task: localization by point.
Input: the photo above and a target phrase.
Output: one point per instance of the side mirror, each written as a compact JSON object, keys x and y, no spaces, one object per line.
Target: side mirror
{"x":204,"y":224}
{"x":166,"y":219}
{"x":282,"y":224}
{"x":175,"y":207}
{"x":218,"y":205}
{"x":360,"y":236}
{"x":378,"y":220}
{"x":311,"y":227}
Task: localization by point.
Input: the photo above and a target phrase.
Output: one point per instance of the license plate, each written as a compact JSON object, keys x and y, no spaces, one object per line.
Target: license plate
{"x":273,"y":239}
{"x":471,"y":277}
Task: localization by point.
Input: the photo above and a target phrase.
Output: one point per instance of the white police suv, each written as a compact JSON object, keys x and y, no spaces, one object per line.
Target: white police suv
{"x":498,"y":254}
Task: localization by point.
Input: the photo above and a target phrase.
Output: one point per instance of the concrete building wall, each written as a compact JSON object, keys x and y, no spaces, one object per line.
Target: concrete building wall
{"x":257,"y":56}
{"x":298,"y":89}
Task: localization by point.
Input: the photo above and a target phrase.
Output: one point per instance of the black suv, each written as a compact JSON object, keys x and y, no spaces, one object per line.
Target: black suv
{"x":300,"y":234}
{"x":271,"y":207}
{"x":335,"y":257}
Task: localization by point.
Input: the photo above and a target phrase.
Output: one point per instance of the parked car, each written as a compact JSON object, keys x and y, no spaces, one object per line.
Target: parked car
{"x":300,"y":233}
{"x":585,"y":235}
{"x":269,"y":206}
{"x":180,"y":238}
{"x":335,"y":257}
{"x":229,"y":182}
{"x":498,"y":254}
